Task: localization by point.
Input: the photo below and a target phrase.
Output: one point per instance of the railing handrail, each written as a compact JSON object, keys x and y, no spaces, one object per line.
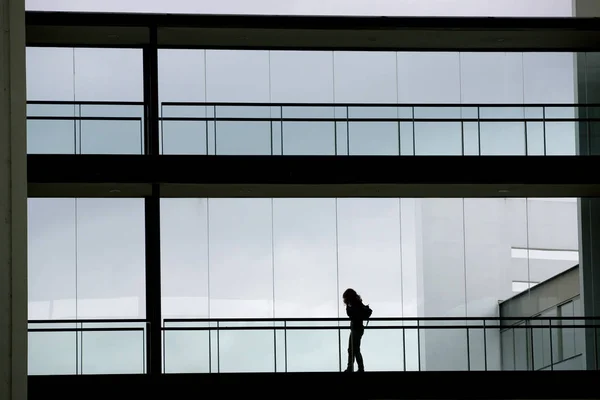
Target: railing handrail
{"x":88,"y":321}
{"x":319,"y":104}
{"x":377,"y":105}
{"x":388,"y":319}
{"x":85,"y":102}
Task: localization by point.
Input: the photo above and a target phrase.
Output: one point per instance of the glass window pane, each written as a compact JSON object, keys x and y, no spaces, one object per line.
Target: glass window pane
{"x":181,"y":75}
{"x":237,"y":76}
{"x":301,"y":76}
{"x":113,"y":352}
{"x":111,"y":137}
{"x":491,"y":78}
{"x":438,"y":138}
{"x":309,"y":138}
{"x":187,"y":350}
{"x":502,"y":138}
{"x":52,"y":261}
{"x":184,"y":137}
{"x":240,"y":258}
{"x":365,"y":77}
{"x":373,"y":138}
{"x":110,"y":243}
{"x":43,"y":62}
{"x":247,"y":350}
{"x":243,"y":138}
{"x":51,"y":137}
{"x":314,"y":350}
{"x":52,"y":353}
{"x":304,"y":249}
{"x":541,"y":68}
{"x":108,"y":74}
{"x":184,"y":259}
{"x":428,"y":77}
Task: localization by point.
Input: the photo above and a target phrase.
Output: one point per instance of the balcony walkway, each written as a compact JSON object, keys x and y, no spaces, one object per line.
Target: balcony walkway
{"x":370,"y":385}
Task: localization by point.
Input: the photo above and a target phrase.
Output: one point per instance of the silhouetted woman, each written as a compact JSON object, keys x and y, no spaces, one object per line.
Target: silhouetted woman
{"x":355,"y":310}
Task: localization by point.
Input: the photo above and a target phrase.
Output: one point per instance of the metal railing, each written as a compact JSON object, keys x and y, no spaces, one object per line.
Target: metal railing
{"x":88,"y":346}
{"x":88,"y":127}
{"x":315,"y":128}
{"x":392,"y":344}
{"x":312,"y":344}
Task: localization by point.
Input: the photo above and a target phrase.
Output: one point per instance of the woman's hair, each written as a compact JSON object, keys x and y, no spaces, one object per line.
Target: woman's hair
{"x":351,"y":297}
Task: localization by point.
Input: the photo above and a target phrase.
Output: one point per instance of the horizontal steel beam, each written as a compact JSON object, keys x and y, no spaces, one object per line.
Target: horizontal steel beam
{"x":313,"y":32}
{"x":369,"y":385}
{"x":313,"y":176}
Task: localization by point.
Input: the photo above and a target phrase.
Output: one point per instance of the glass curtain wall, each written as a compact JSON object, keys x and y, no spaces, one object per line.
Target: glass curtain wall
{"x":292,"y":258}
{"x":337,"y":82}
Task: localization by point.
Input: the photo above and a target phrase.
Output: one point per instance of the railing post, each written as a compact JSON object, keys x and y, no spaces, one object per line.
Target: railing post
{"x":152,"y":208}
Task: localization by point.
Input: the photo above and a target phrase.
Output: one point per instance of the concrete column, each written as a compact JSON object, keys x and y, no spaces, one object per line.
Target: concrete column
{"x":13,"y":203}
{"x":588,"y":91}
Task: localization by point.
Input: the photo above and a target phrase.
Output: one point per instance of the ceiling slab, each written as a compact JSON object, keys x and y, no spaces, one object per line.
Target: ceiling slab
{"x":314,"y":32}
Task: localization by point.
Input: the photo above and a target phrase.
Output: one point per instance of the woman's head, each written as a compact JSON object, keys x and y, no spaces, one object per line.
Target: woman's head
{"x":351,"y":297}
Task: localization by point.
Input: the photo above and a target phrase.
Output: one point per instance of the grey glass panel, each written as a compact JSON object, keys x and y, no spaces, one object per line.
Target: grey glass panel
{"x":51,"y":137}
{"x":521,"y":348}
{"x":247,"y":350}
{"x":434,"y":341}
{"x":342,"y":138}
{"x":111,"y":137}
{"x":470,"y":138}
{"x":52,"y":353}
{"x":502,"y":138}
{"x":412,"y":348}
{"x":407,"y":139}
{"x":438,"y":138}
{"x":373,"y":138}
{"x":501,"y":112}
{"x":186,"y":351}
{"x":508,"y":350}
{"x":314,"y":350}
{"x":183,"y":137}
{"x":243,"y":112}
{"x":536,"y":142}
{"x":560,"y":138}
{"x":477,"y":347}
{"x":441,"y":113}
{"x":382,"y":349}
{"x":109,"y":110}
{"x":56,"y":110}
{"x":113,"y":352}
{"x":311,"y":112}
{"x":373,"y":112}
{"x":187,"y":111}
{"x":243,"y":138}
{"x":567,"y":334}
{"x":309,"y":138}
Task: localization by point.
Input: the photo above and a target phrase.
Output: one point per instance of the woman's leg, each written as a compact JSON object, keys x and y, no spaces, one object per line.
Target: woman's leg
{"x":351,"y":354}
{"x":357,"y":338}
